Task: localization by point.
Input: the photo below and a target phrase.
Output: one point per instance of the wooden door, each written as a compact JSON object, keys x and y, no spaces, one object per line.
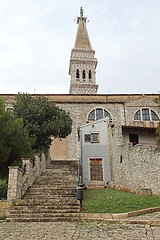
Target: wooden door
{"x":96,"y":169}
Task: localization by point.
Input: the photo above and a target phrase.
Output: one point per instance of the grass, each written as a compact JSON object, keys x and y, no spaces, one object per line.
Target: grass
{"x":108,"y":200}
{"x":2,"y":217}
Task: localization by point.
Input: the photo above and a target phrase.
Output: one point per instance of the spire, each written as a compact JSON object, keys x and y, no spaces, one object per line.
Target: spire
{"x":82,"y":38}
{"x":82,"y":62}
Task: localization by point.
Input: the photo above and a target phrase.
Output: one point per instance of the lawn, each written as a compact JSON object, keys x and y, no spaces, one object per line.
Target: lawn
{"x":108,"y":200}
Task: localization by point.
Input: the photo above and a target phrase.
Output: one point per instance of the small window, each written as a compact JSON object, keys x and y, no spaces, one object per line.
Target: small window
{"x":90,"y":74}
{"x":154,"y":116}
{"x":145,"y":115}
{"x":83,"y":74}
{"x":137,"y":116}
{"x":94,"y":137}
{"x":87,"y":137}
{"x":77,"y":73}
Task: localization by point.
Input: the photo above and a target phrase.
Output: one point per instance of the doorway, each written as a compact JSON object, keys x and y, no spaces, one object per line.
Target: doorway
{"x":96,"y":169}
{"x":133,"y":138}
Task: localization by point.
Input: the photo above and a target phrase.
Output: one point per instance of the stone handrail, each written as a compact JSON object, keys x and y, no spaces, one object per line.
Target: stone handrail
{"x":20,"y":179}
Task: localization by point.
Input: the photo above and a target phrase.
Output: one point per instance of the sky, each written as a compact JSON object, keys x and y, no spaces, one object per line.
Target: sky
{"x":37,"y":36}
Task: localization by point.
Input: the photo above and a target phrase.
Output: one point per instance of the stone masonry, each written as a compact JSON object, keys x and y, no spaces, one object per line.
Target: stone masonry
{"x":122,"y":156}
{"x":52,"y":197}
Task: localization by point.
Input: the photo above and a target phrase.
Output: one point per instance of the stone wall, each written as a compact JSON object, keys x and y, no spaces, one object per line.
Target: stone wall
{"x":20,"y":179}
{"x":125,"y":160}
{"x":5,"y":206}
{"x":133,"y":168}
{"x":59,"y":149}
{"x":79,"y":113}
{"x":130,"y":108}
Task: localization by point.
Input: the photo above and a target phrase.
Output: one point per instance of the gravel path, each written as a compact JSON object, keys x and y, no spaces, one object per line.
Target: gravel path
{"x":62,"y":230}
{"x":151,"y":216}
{"x":80,"y":230}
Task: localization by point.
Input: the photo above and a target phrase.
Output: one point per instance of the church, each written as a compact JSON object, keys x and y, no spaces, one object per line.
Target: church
{"x":113,"y":135}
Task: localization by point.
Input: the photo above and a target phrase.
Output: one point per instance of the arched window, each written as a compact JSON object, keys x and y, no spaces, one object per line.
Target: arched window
{"x":9,"y":109}
{"x":91,"y":116}
{"x":90,"y":74}
{"x":137,"y":115}
{"x":83,"y":74}
{"x":145,"y":114}
{"x":77,"y":73}
{"x":154,"y":116}
{"x":99,"y":113}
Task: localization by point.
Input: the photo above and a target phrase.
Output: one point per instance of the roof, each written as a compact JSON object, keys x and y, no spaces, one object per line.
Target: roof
{"x":82,"y":37}
{"x":139,"y":127}
{"x":88,"y":98}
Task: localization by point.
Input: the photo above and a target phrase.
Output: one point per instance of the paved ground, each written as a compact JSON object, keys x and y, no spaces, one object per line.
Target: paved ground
{"x":92,"y":230}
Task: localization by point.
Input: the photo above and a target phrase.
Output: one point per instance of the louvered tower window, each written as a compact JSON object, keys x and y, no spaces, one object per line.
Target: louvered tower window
{"x":83,"y":74}
{"x":77,"y":73}
{"x":90,"y":74}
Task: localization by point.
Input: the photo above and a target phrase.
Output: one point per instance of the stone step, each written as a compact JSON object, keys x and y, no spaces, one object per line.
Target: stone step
{"x":46,"y":208}
{"x":39,"y":214}
{"x":64,"y":162}
{"x":43,"y":207}
{"x":58,"y":173}
{"x":57,"y":176}
{"x":42,"y":181}
{"x":52,"y":196}
{"x":31,"y":202}
{"x":46,"y":211}
{"x":45,"y":219}
{"x":51,"y":200}
{"x":61,"y":184}
{"x":51,"y":191}
{"x":51,"y":186}
{"x":56,"y":179}
{"x":56,"y":198}
{"x":61,"y":168}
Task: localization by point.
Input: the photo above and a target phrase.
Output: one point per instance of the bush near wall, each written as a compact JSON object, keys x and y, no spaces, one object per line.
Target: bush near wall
{"x":3,"y":189}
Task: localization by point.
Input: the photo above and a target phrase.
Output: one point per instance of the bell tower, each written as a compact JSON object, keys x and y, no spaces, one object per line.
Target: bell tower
{"x":83,"y":64}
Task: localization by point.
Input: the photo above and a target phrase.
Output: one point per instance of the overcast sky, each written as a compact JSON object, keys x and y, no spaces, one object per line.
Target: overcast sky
{"x":36,"y":38}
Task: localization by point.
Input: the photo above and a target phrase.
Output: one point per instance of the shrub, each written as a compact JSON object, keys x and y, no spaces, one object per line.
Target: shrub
{"x":3,"y":189}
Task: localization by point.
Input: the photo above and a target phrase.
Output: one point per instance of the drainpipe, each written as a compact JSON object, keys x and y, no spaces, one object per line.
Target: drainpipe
{"x":124,"y":110}
{"x":80,"y":157}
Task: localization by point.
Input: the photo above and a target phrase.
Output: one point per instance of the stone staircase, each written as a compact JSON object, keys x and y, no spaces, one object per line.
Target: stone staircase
{"x":52,"y":197}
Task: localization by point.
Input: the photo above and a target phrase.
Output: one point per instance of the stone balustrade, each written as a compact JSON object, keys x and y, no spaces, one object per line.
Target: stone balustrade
{"x":20,"y":179}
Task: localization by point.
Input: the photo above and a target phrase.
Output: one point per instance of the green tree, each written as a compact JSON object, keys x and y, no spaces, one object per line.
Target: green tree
{"x":43,"y":119}
{"x":15,"y":142}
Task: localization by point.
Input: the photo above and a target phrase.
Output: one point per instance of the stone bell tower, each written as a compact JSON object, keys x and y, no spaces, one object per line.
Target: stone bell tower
{"x":82,"y":62}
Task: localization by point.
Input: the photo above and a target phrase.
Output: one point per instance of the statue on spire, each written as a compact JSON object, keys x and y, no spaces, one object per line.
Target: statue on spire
{"x":81,"y":12}
{"x":81,"y":18}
